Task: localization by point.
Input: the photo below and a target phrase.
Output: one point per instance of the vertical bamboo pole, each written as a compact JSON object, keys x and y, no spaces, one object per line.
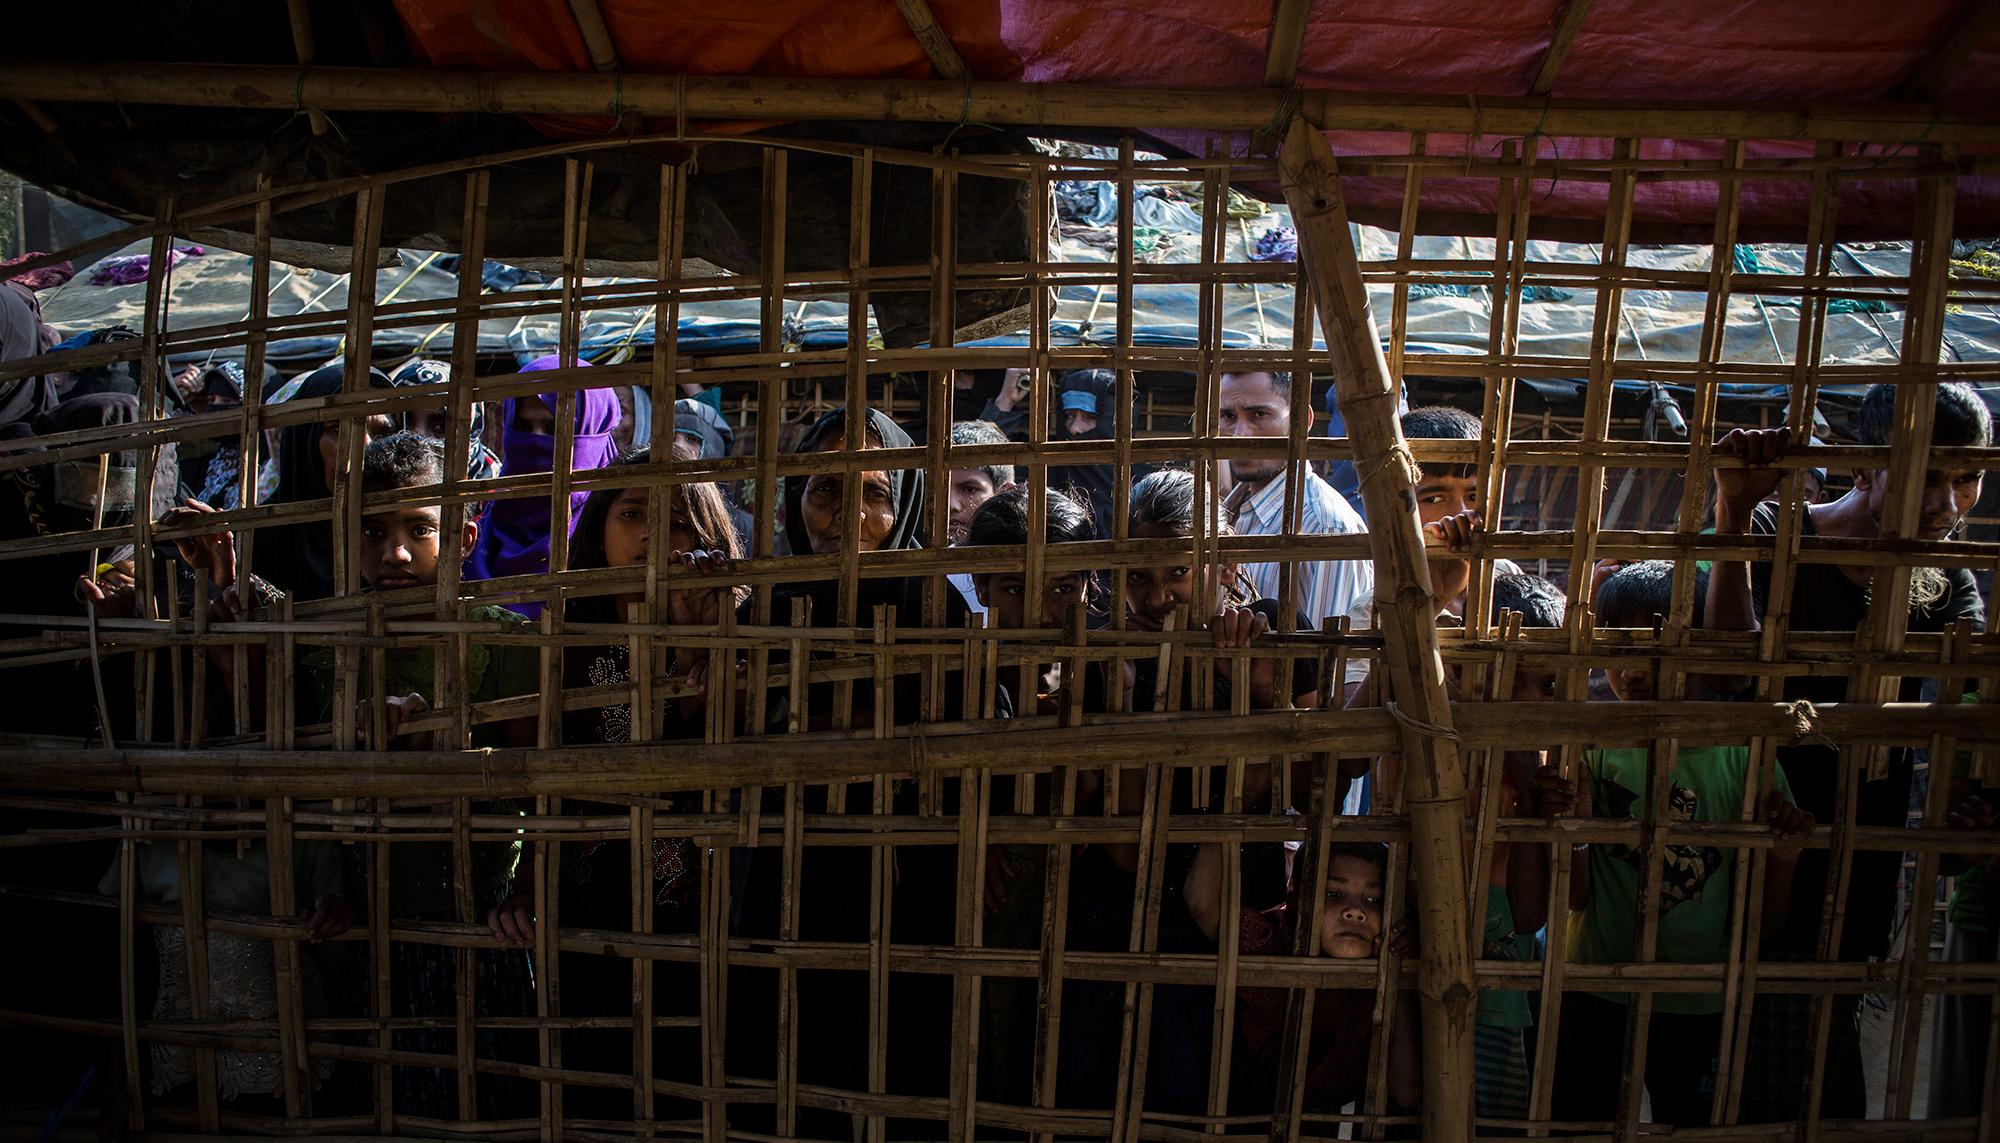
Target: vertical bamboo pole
{"x":451,"y":692}
{"x":296,"y":1065}
{"x":358,"y":343}
{"x":1433,"y":776}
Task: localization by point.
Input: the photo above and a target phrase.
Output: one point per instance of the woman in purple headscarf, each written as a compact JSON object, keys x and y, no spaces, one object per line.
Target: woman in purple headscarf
{"x":515,"y":539}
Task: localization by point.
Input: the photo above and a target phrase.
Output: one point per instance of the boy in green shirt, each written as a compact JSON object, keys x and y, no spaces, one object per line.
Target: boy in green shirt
{"x":1707,"y":785}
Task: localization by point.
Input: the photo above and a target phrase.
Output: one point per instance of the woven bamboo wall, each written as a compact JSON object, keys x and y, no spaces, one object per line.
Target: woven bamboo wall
{"x":943,"y":792}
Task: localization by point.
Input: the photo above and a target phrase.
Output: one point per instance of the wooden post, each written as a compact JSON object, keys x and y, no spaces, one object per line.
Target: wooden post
{"x":1435,"y":780}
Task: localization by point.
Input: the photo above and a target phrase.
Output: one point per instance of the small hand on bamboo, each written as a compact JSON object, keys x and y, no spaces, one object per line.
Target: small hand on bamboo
{"x":512,"y":921}
{"x":332,"y":915}
{"x":112,"y":592}
{"x":1237,"y":628}
{"x":1450,"y":577}
{"x":212,"y":552}
{"x":1737,"y":490}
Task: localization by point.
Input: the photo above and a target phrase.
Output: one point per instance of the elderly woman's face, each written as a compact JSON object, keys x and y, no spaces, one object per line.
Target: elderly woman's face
{"x":822,"y":507}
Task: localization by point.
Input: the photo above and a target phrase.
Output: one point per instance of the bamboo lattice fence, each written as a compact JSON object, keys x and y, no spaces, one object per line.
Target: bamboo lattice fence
{"x":728,"y":1030}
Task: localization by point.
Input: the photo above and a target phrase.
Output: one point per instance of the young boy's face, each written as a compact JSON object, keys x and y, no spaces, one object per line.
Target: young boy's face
{"x":400,"y":548}
{"x":1152,"y":594}
{"x":1630,"y":684}
{"x":1949,"y":493}
{"x":1350,"y":926}
{"x":1441,"y":496}
{"x":1006,"y":596}
{"x":1533,"y":685}
{"x":970,"y":487}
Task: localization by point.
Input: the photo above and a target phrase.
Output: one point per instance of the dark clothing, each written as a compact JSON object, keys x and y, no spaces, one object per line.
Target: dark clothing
{"x":297,"y":559}
{"x":596,"y":893}
{"x":51,"y":499}
{"x":1590,"y":1062}
{"x":835,"y":882}
{"x":1013,"y":422}
{"x":1305,"y":670}
{"x":1824,"y":599}
{"x":24,"y":335}
{"x":1343,"y":1023}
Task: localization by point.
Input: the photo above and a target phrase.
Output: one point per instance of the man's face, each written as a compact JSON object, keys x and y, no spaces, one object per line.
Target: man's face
{"x":1077,"y":422}
{"x":1441,"y":496}
{"x":970,"y":487}
{"x":1350,"y":926}
{"x":400,"y":548}
{"x":1250,"y":407}
{"x":1949,"y":493}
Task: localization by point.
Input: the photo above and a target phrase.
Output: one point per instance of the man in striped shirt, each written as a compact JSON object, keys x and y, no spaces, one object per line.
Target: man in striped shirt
{"x":1260,"y":405}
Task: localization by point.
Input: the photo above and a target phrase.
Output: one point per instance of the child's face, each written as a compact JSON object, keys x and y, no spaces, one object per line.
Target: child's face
{"x":1006,"y":596}
{"x":627,"y":529}
{"x":1534,"y":685}
{"x":1441,"y":496}
{"x":400,"y":548}
{"x":1630,"y":684}
{"x":1350,"y":926}
{"x":970,"y":487}
{"x":1152,"y":594}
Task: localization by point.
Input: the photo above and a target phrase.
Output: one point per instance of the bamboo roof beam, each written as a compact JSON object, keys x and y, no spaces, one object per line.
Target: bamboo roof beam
{"x":1288,"y":36}
{"x":944,"y":56}
{"x":596,"y":36}
{"x":944,"y":101}
{"x":1930,"y":80}
{"x":1568,"y":22}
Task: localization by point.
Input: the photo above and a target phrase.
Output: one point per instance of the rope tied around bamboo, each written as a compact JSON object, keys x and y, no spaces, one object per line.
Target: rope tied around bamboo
{"x":1804,"y":717}
{"x":1422,"y":726}
{"x":1398,"y":457}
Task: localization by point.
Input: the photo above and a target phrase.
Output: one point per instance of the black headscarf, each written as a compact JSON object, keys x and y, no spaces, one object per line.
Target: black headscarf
{"x":50,"y":499}
{"x":906,"y":491}
{"x":906,"y":485}
{"x":1097,"y":482}
{"x":298,"y":558}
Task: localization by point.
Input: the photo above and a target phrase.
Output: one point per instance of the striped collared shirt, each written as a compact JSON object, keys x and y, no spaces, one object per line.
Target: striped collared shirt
{"x":1325,"y":587}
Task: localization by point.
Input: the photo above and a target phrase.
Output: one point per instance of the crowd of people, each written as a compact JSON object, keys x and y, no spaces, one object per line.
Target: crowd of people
{"x":828,"y":897}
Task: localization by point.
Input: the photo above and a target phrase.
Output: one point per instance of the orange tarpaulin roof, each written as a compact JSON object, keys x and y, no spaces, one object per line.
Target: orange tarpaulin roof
{"x":1743,"y":52}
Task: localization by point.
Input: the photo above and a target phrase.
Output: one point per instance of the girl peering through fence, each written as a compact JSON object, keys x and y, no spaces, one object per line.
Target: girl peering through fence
{"x":614,"y":530}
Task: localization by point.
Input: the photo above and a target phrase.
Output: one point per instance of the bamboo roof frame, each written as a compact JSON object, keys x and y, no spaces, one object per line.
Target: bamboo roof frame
{"x":183,"y":790}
